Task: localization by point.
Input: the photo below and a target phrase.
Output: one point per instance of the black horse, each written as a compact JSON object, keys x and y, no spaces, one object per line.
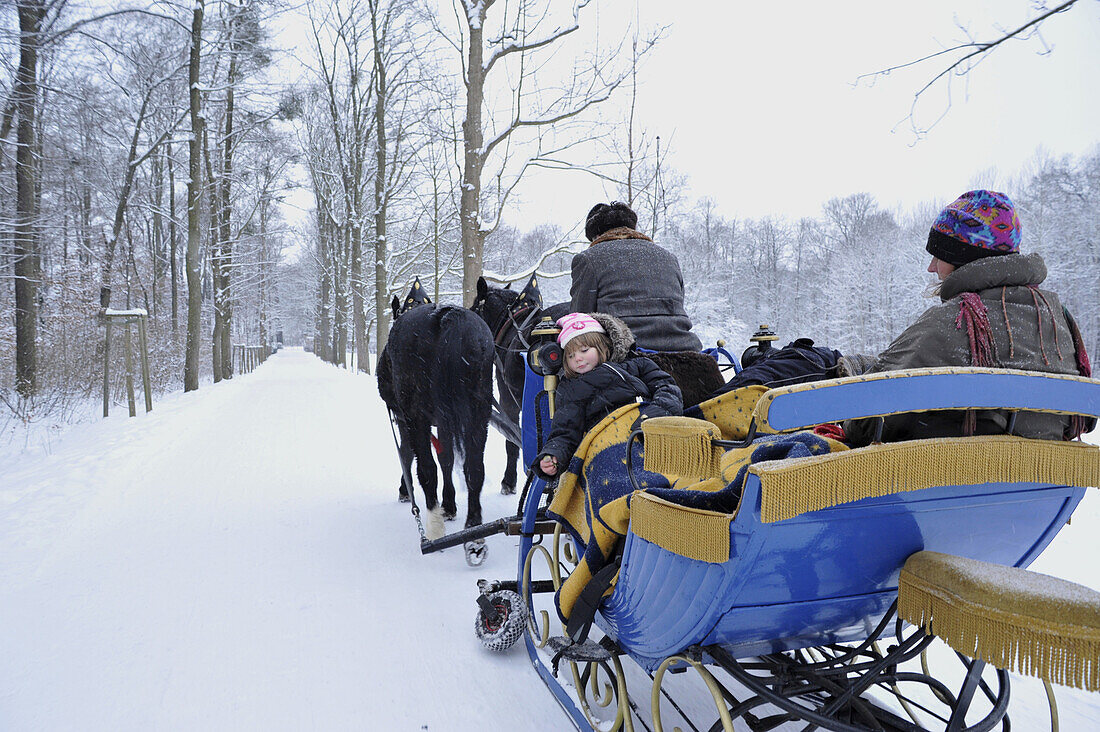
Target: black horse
{"x":511,"y":315}
{"x":436,"y":369}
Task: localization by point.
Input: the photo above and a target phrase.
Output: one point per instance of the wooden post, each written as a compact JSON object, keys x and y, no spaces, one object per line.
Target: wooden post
{"x":145,"y":364}
{"x":130,"y":374}
{"x":106,"y":370}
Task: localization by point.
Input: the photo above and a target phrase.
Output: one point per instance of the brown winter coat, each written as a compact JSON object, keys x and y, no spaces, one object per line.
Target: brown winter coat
{"x":626,"y":275}
{"x":1029,"y":330}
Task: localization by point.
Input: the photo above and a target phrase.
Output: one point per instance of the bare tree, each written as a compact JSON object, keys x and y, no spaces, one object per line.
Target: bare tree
{"x":960,"y":58}
{"x":32,"y":16}
{"x":522,"y":42}
{"x":194,"y":200}
{"x":154,"y":68}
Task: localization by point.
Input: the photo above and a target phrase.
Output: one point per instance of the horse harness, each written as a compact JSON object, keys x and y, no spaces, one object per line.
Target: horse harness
{"x":511,"y":317}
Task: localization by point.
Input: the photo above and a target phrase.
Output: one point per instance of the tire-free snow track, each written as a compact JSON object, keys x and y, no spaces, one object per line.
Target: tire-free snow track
{"x":237,"y":559}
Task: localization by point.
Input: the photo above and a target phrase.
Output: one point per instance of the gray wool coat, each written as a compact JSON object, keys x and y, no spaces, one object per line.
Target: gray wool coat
{"x":638,"y":282}
{"x":1039,"y":340}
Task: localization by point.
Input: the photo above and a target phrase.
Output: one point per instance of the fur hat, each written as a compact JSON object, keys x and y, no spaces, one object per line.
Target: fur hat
{"x":977,"y":224}
{"x":604,"y":217}
{"x":573,"y":324}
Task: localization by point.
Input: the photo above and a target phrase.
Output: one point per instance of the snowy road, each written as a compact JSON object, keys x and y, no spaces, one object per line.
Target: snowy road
{"x":236,"y":560}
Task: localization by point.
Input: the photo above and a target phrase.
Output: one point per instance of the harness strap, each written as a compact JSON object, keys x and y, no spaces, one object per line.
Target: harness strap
{"x":510,"y":319}
{"x":408,"y":480}
{"x":584,"y":610}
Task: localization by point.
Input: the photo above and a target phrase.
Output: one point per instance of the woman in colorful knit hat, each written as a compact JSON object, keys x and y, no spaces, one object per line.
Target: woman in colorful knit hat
{"x":993,"y":313}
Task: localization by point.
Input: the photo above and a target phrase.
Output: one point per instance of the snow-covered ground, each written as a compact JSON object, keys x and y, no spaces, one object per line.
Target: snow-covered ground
{"x":237,"y":559}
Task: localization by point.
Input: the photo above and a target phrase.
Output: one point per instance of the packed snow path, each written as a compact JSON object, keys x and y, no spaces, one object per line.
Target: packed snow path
{"x":237,"y":560}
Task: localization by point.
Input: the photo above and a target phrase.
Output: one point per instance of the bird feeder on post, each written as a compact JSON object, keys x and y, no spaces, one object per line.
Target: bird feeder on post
{"x":127,"y":318}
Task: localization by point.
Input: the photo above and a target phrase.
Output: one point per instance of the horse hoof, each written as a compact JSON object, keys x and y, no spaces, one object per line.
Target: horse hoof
{"x":402,"y":497}
{"x":449,"y":514}
{"x":433,"y":528}
{"x":507,"y":490}
{"x":475,"y":552}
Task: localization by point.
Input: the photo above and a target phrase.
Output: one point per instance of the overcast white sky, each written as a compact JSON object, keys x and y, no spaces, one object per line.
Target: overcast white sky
{"x":759,"y":102}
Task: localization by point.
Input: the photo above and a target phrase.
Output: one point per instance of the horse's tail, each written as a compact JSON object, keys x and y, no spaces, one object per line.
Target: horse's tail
{"x":463,"y":383}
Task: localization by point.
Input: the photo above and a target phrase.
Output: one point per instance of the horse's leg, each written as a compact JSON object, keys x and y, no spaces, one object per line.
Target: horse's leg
{"x":446,"y":467}
{"x":510,"y":391}
{"x":473,"y":466}
{"x":405,"y":455}
{"x":420,"y":438}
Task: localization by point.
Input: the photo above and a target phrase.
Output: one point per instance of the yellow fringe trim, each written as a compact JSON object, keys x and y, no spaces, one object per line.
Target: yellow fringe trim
{"x":800,"y":485}
{"x":682,"y":446}
{"x":1052,"y":635}
{"x":688,"y":532}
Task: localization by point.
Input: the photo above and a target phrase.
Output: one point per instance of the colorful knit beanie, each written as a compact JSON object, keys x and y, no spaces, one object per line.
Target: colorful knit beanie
{"x":977,"y":224}
{"x":573,"y":324}
{"x":603,"y":218}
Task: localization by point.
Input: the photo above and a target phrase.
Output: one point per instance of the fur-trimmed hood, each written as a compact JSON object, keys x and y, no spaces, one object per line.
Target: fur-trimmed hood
{"x":622,"y":340}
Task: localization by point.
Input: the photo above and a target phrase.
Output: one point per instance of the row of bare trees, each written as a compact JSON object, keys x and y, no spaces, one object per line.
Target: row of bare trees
{"x":419,"y":123}
{"x":854,"y":276}
{"x":142,"y":159}
{"x":146,"y":152}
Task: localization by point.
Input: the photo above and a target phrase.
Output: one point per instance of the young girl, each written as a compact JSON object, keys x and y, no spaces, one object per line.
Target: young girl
{"x":600,"y":375}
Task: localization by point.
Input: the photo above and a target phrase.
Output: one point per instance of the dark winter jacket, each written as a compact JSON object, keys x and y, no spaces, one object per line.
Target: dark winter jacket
{"x":582,"y":401}
{"x":797,"y":362}
{"x":1036,"y":337}
{"x":623,"y":273}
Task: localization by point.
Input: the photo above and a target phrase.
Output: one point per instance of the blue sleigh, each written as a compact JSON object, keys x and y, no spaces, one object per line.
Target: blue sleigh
{"x":782,"y":605}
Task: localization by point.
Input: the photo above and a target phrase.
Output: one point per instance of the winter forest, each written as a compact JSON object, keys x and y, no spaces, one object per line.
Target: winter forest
{"x":155,"y":155}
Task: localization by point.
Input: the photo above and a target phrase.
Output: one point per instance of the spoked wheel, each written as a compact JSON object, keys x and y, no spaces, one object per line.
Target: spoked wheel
{"x":501,"y":620}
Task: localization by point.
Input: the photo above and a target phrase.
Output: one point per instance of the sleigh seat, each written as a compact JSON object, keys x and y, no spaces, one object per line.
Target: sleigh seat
{"x":809,"y":550}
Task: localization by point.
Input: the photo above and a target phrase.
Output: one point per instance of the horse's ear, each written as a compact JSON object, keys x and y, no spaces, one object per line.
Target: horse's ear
{"x":395,"y":306}
{"x":482,"y":287}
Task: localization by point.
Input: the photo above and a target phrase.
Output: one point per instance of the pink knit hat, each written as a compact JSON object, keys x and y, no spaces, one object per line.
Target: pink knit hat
{"x":574,"y":324}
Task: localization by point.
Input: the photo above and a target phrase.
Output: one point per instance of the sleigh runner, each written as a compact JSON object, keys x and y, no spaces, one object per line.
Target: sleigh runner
{"x":777,"y":582}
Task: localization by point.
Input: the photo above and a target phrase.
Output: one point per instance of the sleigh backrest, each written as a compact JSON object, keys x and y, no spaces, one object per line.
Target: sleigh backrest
{"x":919,"y":390}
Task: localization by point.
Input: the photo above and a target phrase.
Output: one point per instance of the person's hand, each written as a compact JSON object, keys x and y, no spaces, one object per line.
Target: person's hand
{"x":549,"y":465}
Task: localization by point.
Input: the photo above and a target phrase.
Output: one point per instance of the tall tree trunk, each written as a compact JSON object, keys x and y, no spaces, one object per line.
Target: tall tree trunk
{"x":473,"y":239}
{"x":172,"y":233}
{"x":194,"y":196}
{"x":381,"y":199}
{"x":156,"y":239}
{"x":264,"y":267}
{"x":340,"y":298}
{"x":214,"y":197}
{"x":222,"y":296}
{"x":358,"y":302}
{"x":25,"y":243}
